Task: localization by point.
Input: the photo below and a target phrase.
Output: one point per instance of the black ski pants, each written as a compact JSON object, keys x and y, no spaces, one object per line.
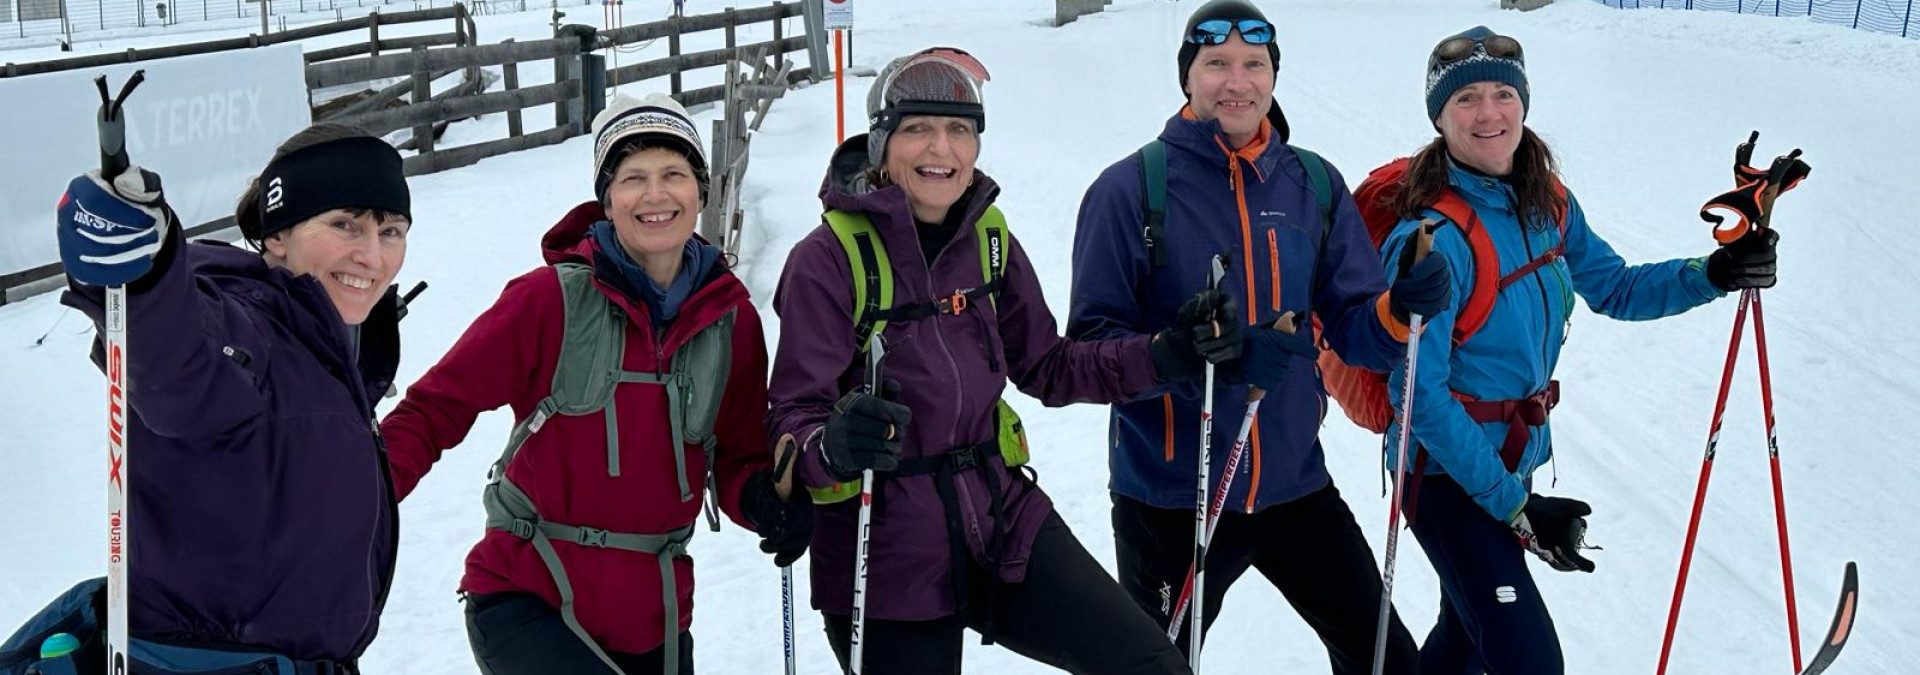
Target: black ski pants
{"x":519,"y":633}
{"x":1492,"y":618}
{"x":1310,"y":549}
{"x":1068,"y":614}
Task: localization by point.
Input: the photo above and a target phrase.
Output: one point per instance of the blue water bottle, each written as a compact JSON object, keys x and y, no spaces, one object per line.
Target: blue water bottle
{"x":56,"y":656}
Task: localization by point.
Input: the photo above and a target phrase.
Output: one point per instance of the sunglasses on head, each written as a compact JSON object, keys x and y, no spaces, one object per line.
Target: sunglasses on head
{"x":1215,"y":31}
{"x":959,"y":58}
{"x":1496,"y":46}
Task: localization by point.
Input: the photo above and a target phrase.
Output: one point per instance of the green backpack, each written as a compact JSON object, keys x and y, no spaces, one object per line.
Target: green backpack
{"x":589,"y":370}
{"x":873,"y":307}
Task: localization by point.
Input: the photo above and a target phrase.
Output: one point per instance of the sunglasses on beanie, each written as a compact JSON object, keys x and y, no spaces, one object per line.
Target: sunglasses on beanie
{"x":1215,"y":31}
{"x":1496,"y":46}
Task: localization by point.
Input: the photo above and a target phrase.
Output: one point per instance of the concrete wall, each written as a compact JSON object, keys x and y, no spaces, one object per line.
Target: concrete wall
{"x":1065,"y":11}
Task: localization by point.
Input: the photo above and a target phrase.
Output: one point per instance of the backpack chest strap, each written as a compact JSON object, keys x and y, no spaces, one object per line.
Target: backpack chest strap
{"x":954,"y":304}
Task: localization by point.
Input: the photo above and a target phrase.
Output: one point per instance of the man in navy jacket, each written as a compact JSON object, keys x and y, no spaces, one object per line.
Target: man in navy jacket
{"x":1234,"y":187}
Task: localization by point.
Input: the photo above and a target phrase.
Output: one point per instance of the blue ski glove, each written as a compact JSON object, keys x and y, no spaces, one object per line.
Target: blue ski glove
{"x":111,"y":232}
{"x":1423,"y":287}
{"x":1269,"y":353}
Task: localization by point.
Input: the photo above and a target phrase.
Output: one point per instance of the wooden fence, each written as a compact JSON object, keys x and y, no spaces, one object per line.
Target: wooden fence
{"x":722,"y":219}
{"x":392,"y":81}
{"x":463,"y":34}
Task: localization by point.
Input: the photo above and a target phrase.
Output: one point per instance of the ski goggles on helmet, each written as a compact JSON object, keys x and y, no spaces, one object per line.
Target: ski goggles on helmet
{"x":1460,"y":48}
{"x":942,"y":81}
{"x":1216,"y":31}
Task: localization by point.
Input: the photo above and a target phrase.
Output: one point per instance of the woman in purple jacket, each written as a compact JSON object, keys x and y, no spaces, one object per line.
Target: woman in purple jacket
{"x":958,"y":539}
{"x":262,"y":520}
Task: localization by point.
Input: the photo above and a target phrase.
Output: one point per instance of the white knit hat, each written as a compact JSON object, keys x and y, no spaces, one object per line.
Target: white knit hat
{"x":653,"y":120}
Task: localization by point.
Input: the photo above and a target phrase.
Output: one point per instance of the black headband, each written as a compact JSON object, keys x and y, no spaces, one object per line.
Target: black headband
{"x":358,"y":172}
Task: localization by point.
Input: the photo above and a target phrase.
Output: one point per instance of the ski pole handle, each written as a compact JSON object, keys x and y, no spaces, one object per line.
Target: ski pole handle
{"x":783,"y":453}
{"x":112,"y":125}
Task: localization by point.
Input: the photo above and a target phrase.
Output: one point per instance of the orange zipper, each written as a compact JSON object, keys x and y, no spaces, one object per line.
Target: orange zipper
{"x":1167,"y":399}
{"x":1273,"y":266}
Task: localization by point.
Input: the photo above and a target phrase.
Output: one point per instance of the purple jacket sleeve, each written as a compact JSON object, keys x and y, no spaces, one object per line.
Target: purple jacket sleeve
{"x":815,"y":308}
{"x":1056,"y":370}
{"x":194,"y":356}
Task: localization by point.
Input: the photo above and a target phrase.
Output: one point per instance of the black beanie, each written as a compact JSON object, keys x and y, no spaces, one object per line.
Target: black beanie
{"x":1231,"y":10}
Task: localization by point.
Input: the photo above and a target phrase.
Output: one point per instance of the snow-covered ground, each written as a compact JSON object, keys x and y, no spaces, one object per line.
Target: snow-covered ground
{"x":1643,"y":108}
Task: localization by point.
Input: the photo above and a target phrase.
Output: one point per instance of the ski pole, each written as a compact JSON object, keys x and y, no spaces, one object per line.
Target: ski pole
{"x":1219,"y":502}
{"x":1700,"y":492}
{"x":1218,"y":272}
{"x":112,"y":128}
{"x":1416,"y":325}
{"x":875,"y":352}
{"x":783,"y":487}
{"x":1776,"y":176}
{"x":1177,"y":618}
{"x":1779,"y":495}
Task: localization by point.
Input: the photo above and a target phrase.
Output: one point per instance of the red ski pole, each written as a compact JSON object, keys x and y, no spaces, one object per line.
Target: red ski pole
{"x":1706,"y":473}
{"x":1779,"y":495}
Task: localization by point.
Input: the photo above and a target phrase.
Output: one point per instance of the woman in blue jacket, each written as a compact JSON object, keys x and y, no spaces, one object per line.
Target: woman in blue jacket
{"x":1479,"y":419}
{"x":262,"y":519}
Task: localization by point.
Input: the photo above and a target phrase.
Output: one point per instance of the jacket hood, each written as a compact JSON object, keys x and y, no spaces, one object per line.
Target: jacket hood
{"x":374,"y":351}
{"x":571,"y":240}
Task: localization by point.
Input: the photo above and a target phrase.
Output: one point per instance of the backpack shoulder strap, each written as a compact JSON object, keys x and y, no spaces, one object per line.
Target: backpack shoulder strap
{"x":992,"y":232}
{"x":1321,"y":182}
{"x":594,"y":335}
{"x":872,"y":273}
{"x":1486,"y":265}
{"x":1153,"y":181}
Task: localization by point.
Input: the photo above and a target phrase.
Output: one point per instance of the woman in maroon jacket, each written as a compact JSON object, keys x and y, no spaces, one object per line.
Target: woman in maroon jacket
{"x":583,"y":567}
{"x":959,"y":539}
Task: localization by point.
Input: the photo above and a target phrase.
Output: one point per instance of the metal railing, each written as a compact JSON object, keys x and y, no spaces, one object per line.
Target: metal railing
{"x":1893,"y":17}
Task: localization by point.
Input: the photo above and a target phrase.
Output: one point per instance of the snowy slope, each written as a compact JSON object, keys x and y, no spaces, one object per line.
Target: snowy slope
{"x":1642,"y":107}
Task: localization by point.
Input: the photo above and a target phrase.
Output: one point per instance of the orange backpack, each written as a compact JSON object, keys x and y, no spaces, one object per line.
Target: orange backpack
{"x":1362,"y":393}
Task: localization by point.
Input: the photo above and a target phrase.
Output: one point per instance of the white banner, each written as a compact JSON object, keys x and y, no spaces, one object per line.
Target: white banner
{"x":205,"y":123}
{"x":839,"y":15}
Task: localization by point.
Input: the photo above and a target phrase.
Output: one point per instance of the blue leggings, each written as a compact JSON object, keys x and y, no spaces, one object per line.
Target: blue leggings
{"x":1492,"y":618}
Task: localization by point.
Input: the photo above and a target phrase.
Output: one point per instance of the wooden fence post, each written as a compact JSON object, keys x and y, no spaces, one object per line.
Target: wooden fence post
{"x":564,"y":68}
{"x":373,"y":32}
{"x":779,"y":22}
{"x":422,"y":93}
{"x":673,"y":51}
{"x":511,"y":69}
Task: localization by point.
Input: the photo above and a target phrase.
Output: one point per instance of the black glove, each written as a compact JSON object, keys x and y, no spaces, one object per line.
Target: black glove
{"x":1422,"y":288}
{"x":1181,"y":352}
{"x":1269,"y":352}
{"x":1748,"y":262}
{"x":1216,"y":335}
{"x":785,"y":526}
{"x":864,"y":432}
{"x":1174,"y":358}
{"x":1554,"y":528}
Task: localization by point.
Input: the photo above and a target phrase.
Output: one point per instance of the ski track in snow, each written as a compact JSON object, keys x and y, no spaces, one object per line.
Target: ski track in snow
{"x":1642,"y":107}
